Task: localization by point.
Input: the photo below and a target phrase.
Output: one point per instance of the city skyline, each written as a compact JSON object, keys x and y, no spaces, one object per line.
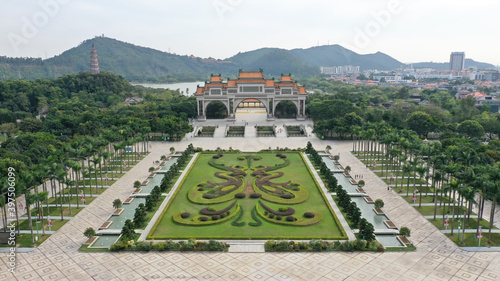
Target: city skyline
{"x":402,"y":29}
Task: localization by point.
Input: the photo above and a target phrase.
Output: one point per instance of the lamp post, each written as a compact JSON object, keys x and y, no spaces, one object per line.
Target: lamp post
{"x":459,"y":225}
{"x":37,"y":233}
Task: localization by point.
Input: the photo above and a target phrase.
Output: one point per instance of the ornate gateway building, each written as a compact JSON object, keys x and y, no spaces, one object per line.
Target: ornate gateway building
{"x":251,"y":87}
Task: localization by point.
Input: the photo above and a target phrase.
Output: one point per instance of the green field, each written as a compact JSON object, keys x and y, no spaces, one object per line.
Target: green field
{"x":253,"y":224}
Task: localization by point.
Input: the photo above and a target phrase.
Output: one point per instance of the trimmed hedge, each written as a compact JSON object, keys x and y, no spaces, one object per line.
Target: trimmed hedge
{"x":321,"y":246}
{"x":298,"y":222}
{"x":255,"y":217}
{"x":190,"y":245}
{"x":209,"y":210}
{"x":204,"y":220}
{"x":288,"y":210}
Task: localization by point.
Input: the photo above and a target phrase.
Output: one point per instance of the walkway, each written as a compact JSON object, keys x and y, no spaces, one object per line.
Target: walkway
{"x":436,"y":257}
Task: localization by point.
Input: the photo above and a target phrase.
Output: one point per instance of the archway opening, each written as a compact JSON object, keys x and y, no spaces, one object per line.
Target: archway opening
{"x":216,"y":110}
{"x":286,"y":109}
{"x":251,"y":103}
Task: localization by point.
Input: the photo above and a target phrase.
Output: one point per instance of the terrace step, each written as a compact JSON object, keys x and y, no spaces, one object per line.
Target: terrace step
{"x":246,"y":247}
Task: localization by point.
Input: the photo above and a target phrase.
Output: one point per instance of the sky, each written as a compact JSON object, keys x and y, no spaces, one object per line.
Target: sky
{"x":408,"y":30}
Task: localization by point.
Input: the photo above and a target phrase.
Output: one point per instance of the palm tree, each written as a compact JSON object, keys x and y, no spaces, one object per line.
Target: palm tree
{"x":421,"y":170}
{"x":96,"y":161}
{"x":453,"y":187}
{"x":38,"y":198}
{"x":493,"y":191}
{"x":407,"y":168}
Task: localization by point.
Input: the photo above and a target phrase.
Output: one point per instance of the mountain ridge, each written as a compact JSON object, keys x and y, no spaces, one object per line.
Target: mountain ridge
{"x":144,"y":64}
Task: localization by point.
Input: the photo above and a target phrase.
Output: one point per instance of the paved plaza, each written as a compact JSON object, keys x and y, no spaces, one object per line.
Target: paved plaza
{"x":436,"y":257}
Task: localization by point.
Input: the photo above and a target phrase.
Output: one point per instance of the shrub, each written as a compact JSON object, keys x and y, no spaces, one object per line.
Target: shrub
{"x":255,"y":195}
{"x":220,"y":155}
{"x":185,"y":215}
{"x":405,"y":231}
{"x":211,"y":209}
{"x":278,"y":217}
{"x":287,"y":196}
{"x":309,"y":215}
{"x":379,"y":203}
{"x":239,"y":195}
{"x":360,"y":244}
{"x":283,"y":156}
{"x":215,"y":217}
{"x":257,"y":158}
{"x":203,"y":218}
{"x":241,"y":158}
{"x":283,"y":209}
{"x":223,"y":215}
{"x":278,"y":154}
{"x":271,"y":215}
{"x":208,"y":196}
{"x":290,"y":218}
{"x":215,"y":157}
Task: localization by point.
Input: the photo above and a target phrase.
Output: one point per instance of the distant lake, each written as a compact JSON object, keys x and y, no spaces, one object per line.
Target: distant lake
{"x":174,"y":86}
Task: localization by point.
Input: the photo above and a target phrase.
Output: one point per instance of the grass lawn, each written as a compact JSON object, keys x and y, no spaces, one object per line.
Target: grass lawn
{"x":296,"y":172}
{"x":56,"y":224}
{"x":56,"y":211}
{"x":429,"y":210}
{"x":24,"y":240}
{"x":472,"y":224}
{"x":86,"y":190}
{"x":471,"y":241}
{"x":73,"y":200}
{"x":425,"y":199}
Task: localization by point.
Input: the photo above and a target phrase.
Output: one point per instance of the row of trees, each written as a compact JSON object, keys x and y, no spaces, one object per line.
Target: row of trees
{"x":457,"y":168}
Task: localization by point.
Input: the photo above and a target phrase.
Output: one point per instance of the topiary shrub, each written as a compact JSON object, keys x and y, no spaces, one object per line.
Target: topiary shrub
{"x":203,"y":218}
{"x":283,"y":209}
{"x":223,"y":215}
{"x":220,"y":155}
{"x":278,"y":217}
{"x":241,"y":158}
{"x":208,"y":196}
{"x":200,"y":189}
{"x":215,"y":157}
{"x":215,"y":217}
{"x":290,"y":218}
{"x":185,"y":215}
{"x":278,"y":154}
{"x":239,"y":195}
{"x":211,"y":209}
{"x":271,"y":215}
{"x":255,"y":195}
{"x":287,"y":196}
{"x":309,"y":215}
{"x":283,"y":156}
{"x":257,"y":158}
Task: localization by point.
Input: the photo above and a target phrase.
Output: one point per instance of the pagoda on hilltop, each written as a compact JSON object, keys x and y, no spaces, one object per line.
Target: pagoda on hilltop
{"x":94,"y":62}
{"x":251,"y":87}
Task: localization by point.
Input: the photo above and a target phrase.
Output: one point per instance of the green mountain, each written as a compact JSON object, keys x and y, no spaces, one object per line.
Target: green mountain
{"x":336,"y":55}
{"x":140,"y":64}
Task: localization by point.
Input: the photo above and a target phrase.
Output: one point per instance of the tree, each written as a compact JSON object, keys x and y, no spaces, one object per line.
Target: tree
{"x":422,"y":123}
{"x":89,"y":232}
{"x":471,"y":129}
{"x":347,"y":169}
{"x":366,"y":230}
{"x":405,"y":231}
{"x":172,"y":150}
{"x":117,"y":203}
{"x":379,"y":204}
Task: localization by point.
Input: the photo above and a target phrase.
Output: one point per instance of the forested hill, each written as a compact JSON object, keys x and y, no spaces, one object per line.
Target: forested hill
{"x":136,"y":63}
{"x":141,"y":64}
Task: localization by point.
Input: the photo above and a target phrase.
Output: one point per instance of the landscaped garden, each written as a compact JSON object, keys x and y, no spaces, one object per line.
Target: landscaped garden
{"x":248,"y":196}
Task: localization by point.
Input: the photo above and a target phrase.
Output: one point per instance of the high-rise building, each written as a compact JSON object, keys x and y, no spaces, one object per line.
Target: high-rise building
{"x":94,"y":62}
{"x":457,"y":61}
